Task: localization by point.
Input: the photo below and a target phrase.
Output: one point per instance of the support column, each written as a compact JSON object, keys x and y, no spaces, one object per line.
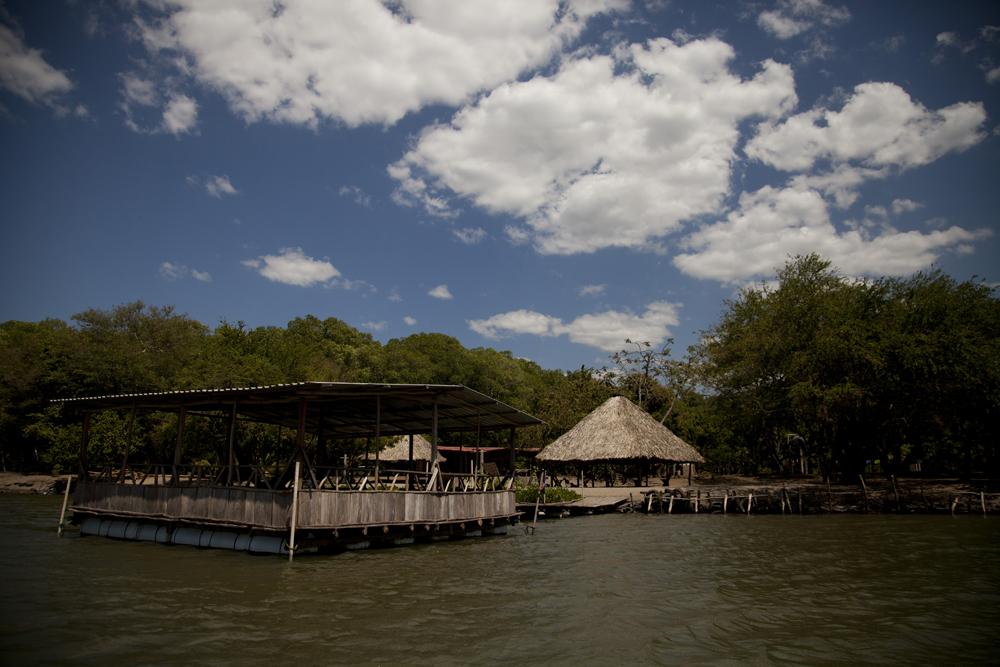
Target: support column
{"x":179,"y":447}
{"x":84,"y":445}
{"x":128,"y":443}
{"x":232,"y":445}
{"x":434,"y":434}
{"x":513,"y":452}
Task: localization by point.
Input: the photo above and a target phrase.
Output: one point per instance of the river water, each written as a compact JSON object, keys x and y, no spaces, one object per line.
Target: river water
{"x":612,"y":589}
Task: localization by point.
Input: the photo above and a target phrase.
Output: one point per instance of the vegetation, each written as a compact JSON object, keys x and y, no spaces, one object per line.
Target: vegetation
{"x":818,"y":371}
{"x":553,"y":494}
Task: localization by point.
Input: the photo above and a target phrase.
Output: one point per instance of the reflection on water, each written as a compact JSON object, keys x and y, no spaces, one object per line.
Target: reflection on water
{"x":596,"y":590}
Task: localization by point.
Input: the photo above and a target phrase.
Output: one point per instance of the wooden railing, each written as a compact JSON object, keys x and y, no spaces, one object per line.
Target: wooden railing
{"x":323,"y":478}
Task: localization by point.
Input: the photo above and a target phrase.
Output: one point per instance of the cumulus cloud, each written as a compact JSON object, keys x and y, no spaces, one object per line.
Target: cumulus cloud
{"x":358,"y":62}
{"x":25,"y":72}
{"x":291,"y":266}
{"x":394,"y":295}
{"x":172,"y":271}
{"x":606,"y":330}
{"x":441,"y":292}
{"x":180,"y":115}
{"x":409,"y":321}
{"x":141,"y":99}
{"x":592,"y":290}
{"x":772,"y":224}
{"x":375,"y":326}
{"x":794,"y":17}
{"x":360,"y":197}
{"x":878,"y":126}
{"x":900,"y":206}
{"x":217,"y":186}
{"x":607,"y":151}
{"x":469,"y":235}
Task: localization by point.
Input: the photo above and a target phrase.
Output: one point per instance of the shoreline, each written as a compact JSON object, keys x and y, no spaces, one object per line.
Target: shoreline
{"x":37,"y":484}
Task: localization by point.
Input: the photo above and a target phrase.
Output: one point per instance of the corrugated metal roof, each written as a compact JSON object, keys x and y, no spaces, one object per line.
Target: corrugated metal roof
{"x":339,"y":409}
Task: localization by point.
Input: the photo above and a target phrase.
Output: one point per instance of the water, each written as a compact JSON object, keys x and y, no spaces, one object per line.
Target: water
{"x":612,"y":589}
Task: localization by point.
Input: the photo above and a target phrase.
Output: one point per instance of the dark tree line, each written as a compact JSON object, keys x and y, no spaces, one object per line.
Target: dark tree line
{"x":820,"y":370}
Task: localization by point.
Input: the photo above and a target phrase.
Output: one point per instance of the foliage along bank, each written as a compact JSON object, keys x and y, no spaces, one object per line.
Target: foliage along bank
{"x":847,"y":374}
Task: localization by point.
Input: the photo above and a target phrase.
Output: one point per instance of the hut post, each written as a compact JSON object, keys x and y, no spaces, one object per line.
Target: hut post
{"x":410,"y":465}
{"x":434,"y":432}
{"x":690,"y":466}
{"x":378,"y":430}
{"x":128,"y":442}
{"x":513,"y":454}
{"x":84,"y":445}
{"x":231,"y":458}
{"x":295,"y":511}
{"x":179,"y":446}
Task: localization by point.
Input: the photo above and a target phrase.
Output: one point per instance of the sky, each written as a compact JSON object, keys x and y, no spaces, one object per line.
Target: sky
{"x":544,"y":177}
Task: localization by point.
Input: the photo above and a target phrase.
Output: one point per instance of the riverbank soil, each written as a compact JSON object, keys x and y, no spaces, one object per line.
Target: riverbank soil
{"x":14,"y":482}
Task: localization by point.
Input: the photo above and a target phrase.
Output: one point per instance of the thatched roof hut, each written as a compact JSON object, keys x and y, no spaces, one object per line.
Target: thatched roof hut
{"x":399,"y":450}
{"x":619,"y":430}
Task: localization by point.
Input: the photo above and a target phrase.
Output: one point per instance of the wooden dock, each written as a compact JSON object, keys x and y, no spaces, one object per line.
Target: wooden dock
{"x":302,"y":505}
{"x":581,"y":507}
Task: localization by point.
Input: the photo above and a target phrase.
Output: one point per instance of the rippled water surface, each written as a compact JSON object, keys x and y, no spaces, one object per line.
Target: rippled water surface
{"x":614,"y":589}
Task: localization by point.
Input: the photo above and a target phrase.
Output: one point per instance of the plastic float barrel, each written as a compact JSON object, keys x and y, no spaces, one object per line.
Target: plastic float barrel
{"x":163,"y":535}
{"x":205,"y":539}
{"x":105,"y":527}
{"x":495,"y":530}
{"x":147,"y":532}
{"x":188,"y":536}
{"x":221,"y":539}
{"x":90,"y":526}
{"x":242,"y":542}
{"x":267,"y":544}
{"x":357,"y":546}
{"x":403,"y":541}
{"x":473,"y":533}
{"x":132,"y":530}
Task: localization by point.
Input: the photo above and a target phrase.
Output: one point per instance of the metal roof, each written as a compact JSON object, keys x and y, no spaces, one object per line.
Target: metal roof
{"x":342,"y":409}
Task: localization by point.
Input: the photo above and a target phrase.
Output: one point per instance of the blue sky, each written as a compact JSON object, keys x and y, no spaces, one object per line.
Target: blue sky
{"x":544,"y":177}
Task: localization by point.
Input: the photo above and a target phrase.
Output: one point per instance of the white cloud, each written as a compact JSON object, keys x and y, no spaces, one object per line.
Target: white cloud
{"x":794,"y":17}
{"x":606,"y":330}
{"x":773,"y":224}
{"x":878,"y":126}
{"x":25,"y":72}
{"x":172,"y":271}
{"x":992,"y":74}
{"x":180,"y":114}
{"x":394,"y":295}
{"x":409,"y":321}
{"x":374,"y":326}
{"x":359,"y":62}
{"x":360,"y":197}
{"x":469,"y":235}
{"x":441,"y":292}
{"x":217,"y":186}
{"x":291,"y":266}
{"x":608,"y":151}
{"x":592,"y":290}
{"x":900,"y":206}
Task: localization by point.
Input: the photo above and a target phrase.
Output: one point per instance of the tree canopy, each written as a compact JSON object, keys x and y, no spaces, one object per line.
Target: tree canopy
{"x":815,"y":369}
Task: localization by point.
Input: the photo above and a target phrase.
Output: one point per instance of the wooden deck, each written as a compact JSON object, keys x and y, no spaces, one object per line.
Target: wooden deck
{"x":270,"y":510}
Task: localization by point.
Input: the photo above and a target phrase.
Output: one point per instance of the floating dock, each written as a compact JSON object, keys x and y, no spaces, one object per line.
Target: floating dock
{"x":302,"y":506}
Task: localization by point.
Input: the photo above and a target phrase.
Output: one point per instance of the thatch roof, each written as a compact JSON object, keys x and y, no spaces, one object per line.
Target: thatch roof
{"x":399,"y":450}
{"x":616,"y":431}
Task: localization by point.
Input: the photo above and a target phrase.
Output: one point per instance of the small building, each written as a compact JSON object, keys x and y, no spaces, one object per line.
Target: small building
{"x":406,"y":450}
{"x":621,"y":437}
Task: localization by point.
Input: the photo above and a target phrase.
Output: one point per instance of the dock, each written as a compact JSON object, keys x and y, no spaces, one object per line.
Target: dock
{"x":302,"y":505}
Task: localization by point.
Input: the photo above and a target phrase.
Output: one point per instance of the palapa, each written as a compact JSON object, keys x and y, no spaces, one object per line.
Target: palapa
{"x":619,"y":430}
{"x":399,"y":450}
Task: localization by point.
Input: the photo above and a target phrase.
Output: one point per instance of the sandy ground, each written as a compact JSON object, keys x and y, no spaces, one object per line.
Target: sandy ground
{"x":13,"y":482}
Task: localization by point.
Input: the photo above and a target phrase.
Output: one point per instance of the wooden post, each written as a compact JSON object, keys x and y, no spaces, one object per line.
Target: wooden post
{"x":84,"y":446}
{"x":690,"y":466}
{"x":895,"y":492}
{"x":232,"y":443}
{"x":513,"y":453}
{"x":982,"y":502}
{"x":128,"y":443}
{"x":434,"y":433}
{"x":749,"y":503}
{"x":725,"y":503}
{"x":670,"y":507}
{"x":411,"y":451}
{"x":295,"y":511}
{"x":864,"y":490}
{"x":829,"y":496}
{"x":179,"y":447}
{"x":798,"y":495}
{"x":697,"y":502}
{"x":62,"y":514}
{"x":954,"y":504}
